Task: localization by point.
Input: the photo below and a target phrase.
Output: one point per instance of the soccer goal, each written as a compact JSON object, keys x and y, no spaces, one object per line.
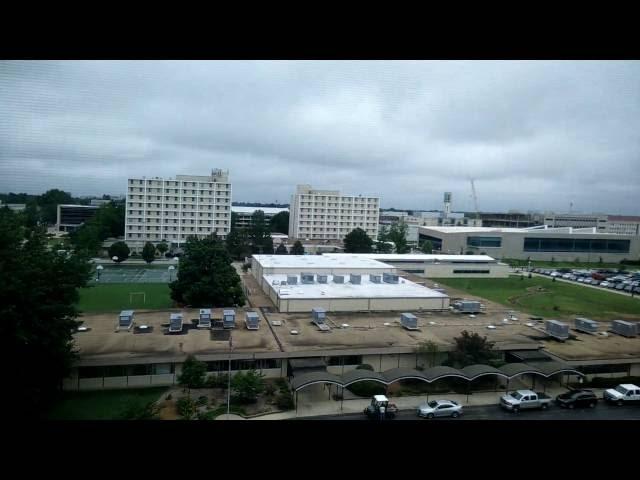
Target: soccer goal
{"x":133,"y":294}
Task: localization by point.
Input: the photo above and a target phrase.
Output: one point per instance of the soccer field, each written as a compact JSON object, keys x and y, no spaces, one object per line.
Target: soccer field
{"x":116,"y":296}
{"x":569,"y":300}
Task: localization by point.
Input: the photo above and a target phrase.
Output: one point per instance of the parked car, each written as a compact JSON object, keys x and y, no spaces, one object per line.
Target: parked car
{"x":636,"y":290}
{"x":622,"y":394}
{"x":440,"y":408}
{"x":573,"y":277}
{"x":566,"y":276}
{"x":604,"y":284}
{"x":595,"y":282}
{"x":620,"y":286}
{"x":628,"y":288}
{"x":525,"y":399}
{"x":612,"y":285}
{"x":577,"y":398}
{"x":581,"y":280}
{"x":555,"y":274}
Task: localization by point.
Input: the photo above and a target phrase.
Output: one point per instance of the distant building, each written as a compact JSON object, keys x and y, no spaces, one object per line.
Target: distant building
{"x":16,"y":207}
{"x":626,"y":225}
{"x":70,"y":217}
{"x":243,"y":214}
{"x":537,"y":243}
{"x":576,"y":220}
{"x":98,"y":202}
{"x":329,"y":215}
{"x":510,"y":219}
{"x":160,"y":209}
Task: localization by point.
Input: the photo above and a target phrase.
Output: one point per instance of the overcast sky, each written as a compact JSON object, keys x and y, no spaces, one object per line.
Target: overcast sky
{"x":535,"y":135}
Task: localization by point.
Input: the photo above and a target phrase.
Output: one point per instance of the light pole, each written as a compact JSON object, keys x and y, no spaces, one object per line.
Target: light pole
{"x":171,"y":269}
{"x":99,"y":269}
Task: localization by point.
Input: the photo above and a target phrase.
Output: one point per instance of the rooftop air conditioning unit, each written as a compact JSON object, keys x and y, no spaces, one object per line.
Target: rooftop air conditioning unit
{"x":409,"y":321}
{"x":322,"y":279}
{"x":390,"y":278}
{"x":557,"y":329}
{"x":292,"y":279}
{"x":626,"y":329}
{"x":375,"y":278}
{"x":228,"y":318}
{"x":355,"y":279}
{"x":338,"y":279}
{"x":319,"y":315}
{"x":307,"y":278}
{"x":586,"y":325}
{"x":252,"y":320}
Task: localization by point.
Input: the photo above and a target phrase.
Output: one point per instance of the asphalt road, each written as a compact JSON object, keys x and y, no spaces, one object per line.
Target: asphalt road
{"x":493,"y":412}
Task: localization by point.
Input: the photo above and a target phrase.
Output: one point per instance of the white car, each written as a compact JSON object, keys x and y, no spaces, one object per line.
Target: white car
{"x":440,"y":408}
{"x":604,"y":284}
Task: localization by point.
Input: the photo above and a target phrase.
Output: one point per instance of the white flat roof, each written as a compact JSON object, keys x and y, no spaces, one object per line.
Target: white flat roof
{"x":366,"y":289}
{"x":474,"y":229}
{"x":530,"y":231}
{"x":266,"y":210}
{"x":418,"y":257}
{"x":318,"y":261}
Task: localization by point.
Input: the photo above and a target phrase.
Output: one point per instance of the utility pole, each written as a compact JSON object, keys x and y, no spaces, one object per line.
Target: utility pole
{"x":475,"y":199}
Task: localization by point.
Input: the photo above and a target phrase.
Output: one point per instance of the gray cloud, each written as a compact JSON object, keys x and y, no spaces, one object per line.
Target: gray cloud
{"x":535,"y":135}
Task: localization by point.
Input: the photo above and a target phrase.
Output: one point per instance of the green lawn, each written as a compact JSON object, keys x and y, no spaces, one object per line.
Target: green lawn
{"x":113,"y":297}
{"x":570,"y":300}
{"x":101,"y":405}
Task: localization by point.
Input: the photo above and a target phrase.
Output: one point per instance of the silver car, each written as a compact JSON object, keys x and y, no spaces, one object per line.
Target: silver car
{"x":440,"y":408}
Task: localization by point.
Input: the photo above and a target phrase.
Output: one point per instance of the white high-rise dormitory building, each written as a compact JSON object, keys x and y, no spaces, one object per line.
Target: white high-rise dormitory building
{"x":173,"y":209}
{"x":328,"y":215}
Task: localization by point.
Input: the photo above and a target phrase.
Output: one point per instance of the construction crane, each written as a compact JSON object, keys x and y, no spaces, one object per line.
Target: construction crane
{"x":475,"y":199}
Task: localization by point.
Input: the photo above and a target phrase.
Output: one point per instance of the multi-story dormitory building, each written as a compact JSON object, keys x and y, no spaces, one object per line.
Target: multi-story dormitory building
{"x":173,"y":209}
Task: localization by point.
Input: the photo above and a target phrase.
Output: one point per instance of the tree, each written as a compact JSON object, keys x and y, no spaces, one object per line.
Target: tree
{"x":38,"y":297}
{"x":259,"y":233}
{"x":357,"y":241}
{"x":193,"y":373}
{"x":162,"y":247}
{"x":237,"y":243}
{"x":120,"y":250}
{"x":206,"y":277}
{"x":383,"y":237}
{"x":279,"y":223}
{"x":471,"y":349}
{"x":267,"y":246}
{"x":281,"y":250}
{"x":427,"y":247}
{"x":247,"y":386}
{"x":107,"y":222}
{"x":398,"y":235}
{"x":49,"y":202}
{"x":31,"y":215}
{"x":383,"y":247}
{"x":149,"y":252}
{"x":297,"y":249}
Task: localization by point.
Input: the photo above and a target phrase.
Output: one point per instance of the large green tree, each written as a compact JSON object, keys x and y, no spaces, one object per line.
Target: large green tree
{"x":357,"y":241}
{"x":427,"y":247}
{"x":162,"y":247}
{"x":49,"y":202}
{"x":38,"y":296}
{"x":107,"y":222}
{"x":193,"y":373}
{"x":279,"y":223}
{"x":206,"y":277}
{"x":237,"y":243}
{"x":120,"y":250}
{"x":398,"y":235}
{"x":471,"y":349}
{"x":148,"y":252}
{"x":247,"y":386}
{"x":260,"y":233}
{"x":298,"y":248}
{"x":281,"y":250}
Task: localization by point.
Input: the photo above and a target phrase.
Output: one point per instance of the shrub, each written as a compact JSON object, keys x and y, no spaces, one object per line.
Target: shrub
{"x":134,"y":410}
{"x":285,"y":401}
{"x":282,"y":384}
{"x":247,"y":386}
{"x":367,"y":388}
{"x":269,"y":389}
{"x":218,"y":381}
{"x":193,"y":373}
{"x":364,"y":366}
{"x":186,"y":408}
{"x":202,"y":401}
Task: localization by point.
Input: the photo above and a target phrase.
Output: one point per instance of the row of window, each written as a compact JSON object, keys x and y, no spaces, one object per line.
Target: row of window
{"x":222,"y":366}
{"x":587,"y":245}
{"x":193,"y":200}
{"x":495,"y":242}
{"x":126,"y":370}
{"x":470,"y":271}
{"x":177,"y":183}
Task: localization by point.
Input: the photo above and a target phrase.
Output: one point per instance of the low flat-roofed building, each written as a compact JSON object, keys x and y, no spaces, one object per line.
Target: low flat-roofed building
{"x":348,"y":297}
{"x":243,"y":214}
{"x":70,"y":217}
{"x":439,"y":266}
{"x":535,"y":243}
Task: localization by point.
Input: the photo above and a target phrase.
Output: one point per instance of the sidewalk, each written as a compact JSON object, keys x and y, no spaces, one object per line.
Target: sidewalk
{"x":332,"y":407}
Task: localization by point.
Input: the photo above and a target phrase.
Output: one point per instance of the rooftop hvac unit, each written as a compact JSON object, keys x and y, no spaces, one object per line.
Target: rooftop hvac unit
{"x":175,"y":322}
{"x":586,"y":325}
{"x":252,"y":320}
{"x":409,"y":321}
{"x":467,"y":306}
{"x":338,"y":279}
{"x":204,"y":321}
{"x":125,"y":320}
{"x":322,"y":279}
{"x":389,"y":278}
{"x":228,"y":318}
{"x":375,"y":278}
{"x":626,"y":329}
{"x":319,"y":315}
{"x":307,"y":278}
{"x":355,"y":279}
{"x":557,"y":329}
{"x":292,"y":279}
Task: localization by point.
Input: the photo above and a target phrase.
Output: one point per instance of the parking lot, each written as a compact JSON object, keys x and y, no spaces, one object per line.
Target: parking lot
{"x":624,"y":283}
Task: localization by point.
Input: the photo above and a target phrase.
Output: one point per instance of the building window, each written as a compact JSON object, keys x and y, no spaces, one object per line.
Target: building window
{"x":345,"y":360}
{"x":584,"y":245}
{"x":491,"y":242}
{"x":471,"y":271}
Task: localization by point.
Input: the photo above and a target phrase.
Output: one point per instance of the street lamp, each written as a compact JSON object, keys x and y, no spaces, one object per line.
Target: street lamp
{"x":171,"y":269}
{"x":99,"y":269}
{"x":114,"y":258}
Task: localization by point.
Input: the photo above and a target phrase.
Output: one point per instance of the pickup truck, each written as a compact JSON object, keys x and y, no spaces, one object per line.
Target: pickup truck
{"x":524,"y":400}
{"x":622,"y":394}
